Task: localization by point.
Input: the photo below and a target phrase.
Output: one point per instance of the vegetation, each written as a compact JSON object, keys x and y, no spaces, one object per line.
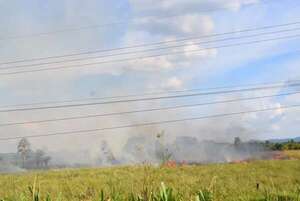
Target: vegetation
{"x":162,"y":152}
{"x":25,"y":157}
{"x":255,"y":181}
{"x":289,"y":145}
{"x":292,"y":154}
{"x":23,"y":150}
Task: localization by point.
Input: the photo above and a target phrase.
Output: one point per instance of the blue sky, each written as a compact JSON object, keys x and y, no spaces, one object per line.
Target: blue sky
{"x":143,"y":22}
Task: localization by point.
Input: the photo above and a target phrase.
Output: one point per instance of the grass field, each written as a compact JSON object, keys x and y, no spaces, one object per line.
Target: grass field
{"x":293,"y":154}
{"x":278,"y":180}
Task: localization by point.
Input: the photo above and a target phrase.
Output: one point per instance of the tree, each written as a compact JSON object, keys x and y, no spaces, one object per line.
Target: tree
{"x":23,"y":149}
{"x":46,"y":161}
{"x":161,"y":151}
{"x":108,"y":156}
{"x":39,"y":157}
{"x":237,"y":141}
{"x":278,"y":146}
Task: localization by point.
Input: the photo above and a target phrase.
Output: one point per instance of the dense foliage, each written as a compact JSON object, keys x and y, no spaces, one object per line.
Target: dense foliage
{"x":278,"y":146}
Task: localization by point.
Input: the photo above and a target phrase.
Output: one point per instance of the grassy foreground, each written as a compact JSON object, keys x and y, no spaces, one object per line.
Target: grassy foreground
{"x":258,"y":180}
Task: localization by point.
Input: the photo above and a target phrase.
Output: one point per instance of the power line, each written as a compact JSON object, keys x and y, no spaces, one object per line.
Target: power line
{"x":146,"y":110}
{"x":151,"y":56}
{"x":153,"y":44}
{"x":142,"y":99}
{"x":278,"y":84}
{"x":150,"y":50}
{"x":97,"y":26}
{"x":89,"y":131}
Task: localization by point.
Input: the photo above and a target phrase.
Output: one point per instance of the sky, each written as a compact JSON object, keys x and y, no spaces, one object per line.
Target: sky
{"x":131,"y":22}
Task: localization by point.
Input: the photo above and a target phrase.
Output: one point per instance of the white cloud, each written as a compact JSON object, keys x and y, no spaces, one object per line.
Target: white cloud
{"x":186,"y":25}
{"x":191,"y":6}
{"x":173,"y":83}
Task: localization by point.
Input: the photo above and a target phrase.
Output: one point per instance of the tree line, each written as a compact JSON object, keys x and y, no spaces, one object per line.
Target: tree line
{"x":31,"y":159}
{"x":279,"y":146}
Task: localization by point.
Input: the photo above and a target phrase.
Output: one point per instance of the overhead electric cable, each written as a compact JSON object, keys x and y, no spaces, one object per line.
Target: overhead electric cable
{"x":151,"y":56}
{"x":240,"y":86}
{"x":89,"y":131}
{"x":141,"y":99}
{"x":154,"y":44}
{"x":149,"y":50}
{"x":98,"y":26}
{"x":146,"y":110}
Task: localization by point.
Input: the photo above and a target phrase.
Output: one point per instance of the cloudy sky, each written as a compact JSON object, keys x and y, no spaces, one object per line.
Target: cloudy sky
{"x":36,"y":29}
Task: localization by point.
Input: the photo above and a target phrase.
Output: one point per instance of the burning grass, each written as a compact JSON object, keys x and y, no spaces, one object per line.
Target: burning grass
{"x":257,"y":180}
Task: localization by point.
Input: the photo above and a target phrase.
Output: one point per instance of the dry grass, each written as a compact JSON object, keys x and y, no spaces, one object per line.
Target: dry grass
{"x":293,"y":154}
{"x":226,"y":181}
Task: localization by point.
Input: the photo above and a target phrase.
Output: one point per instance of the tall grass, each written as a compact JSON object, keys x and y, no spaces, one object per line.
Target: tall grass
{"x":255,"y":181}
{"x":163,"y":194}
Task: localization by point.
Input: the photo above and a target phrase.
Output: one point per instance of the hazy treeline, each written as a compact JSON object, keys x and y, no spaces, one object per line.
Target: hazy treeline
{"x":155,"y":149}
{"x":187,"y":149}
{"x":278,"y":146}
{"x":25,"y":158}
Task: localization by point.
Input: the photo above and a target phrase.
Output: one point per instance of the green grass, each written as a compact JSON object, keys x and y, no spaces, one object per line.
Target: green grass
{"x":278,"y":181}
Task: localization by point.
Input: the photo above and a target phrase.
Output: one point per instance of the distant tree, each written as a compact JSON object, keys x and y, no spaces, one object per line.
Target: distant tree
{"x":161,"y":151}
{"x":237,"y":141}
{"x":46,"y":161}
{"x":291,"y":145}
{"x":39,"y":157}
{"x":278,"y":146}
{"x":23,"y":149}
{"x":107,"y":154}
